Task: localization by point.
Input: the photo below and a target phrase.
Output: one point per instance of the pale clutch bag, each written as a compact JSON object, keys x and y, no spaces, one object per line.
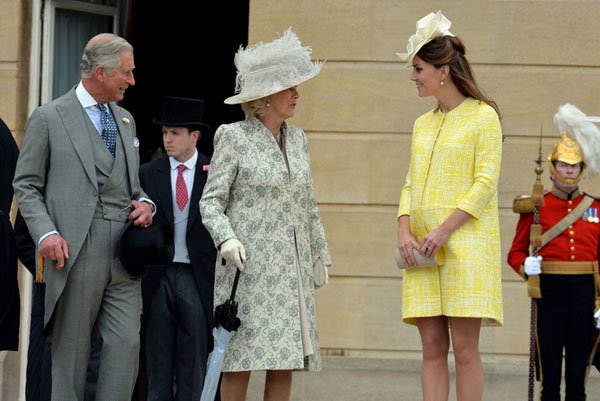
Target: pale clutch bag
{"x":422,"y":261}
{"x":320,"y":273}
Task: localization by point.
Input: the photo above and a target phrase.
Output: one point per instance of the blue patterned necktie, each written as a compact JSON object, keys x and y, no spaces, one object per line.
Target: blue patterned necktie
{"x":109,"y":129}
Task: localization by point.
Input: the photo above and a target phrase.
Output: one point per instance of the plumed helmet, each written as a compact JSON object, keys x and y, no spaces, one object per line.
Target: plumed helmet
{"x":568,"y":151}
{"x":580,"y":142}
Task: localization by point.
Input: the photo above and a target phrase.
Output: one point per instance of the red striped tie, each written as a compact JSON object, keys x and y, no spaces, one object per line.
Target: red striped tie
{"x":181,"y":193}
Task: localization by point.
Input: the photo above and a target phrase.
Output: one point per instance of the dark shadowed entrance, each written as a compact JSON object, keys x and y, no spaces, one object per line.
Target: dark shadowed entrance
{"x":184,"y":49}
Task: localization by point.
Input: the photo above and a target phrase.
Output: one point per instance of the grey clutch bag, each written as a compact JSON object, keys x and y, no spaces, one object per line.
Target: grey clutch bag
{"x":422,"y":261}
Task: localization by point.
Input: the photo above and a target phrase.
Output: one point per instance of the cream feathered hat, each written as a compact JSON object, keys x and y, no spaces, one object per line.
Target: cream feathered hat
{"x":573,"y":122}
{"x":429,"y":27}
{"x":267,"y":68}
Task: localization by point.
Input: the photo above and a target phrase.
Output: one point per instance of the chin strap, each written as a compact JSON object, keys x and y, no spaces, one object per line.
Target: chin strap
{"x":566,"y":180}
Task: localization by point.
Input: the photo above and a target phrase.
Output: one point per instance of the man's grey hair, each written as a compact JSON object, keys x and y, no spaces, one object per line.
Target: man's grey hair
{"x":104,"y":49}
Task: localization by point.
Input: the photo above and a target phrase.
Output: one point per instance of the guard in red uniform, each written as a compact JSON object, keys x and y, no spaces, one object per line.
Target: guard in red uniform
{"x":568,"y":267}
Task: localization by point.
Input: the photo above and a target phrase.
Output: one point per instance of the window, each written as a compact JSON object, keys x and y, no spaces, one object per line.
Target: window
{"x":68,"y":25}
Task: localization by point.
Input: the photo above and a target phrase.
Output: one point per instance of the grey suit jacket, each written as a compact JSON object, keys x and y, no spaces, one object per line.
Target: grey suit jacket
{"x":55,"y":181}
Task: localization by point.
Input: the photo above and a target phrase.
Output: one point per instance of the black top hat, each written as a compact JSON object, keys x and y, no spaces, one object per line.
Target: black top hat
{"x":140,"y":248}
{"x":182,"y":112}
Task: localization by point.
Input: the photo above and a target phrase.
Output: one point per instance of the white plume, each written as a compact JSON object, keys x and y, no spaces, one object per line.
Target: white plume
{"x":582,"y":129}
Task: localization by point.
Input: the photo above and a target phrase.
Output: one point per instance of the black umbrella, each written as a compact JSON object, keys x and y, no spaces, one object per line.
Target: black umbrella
{"x":38,"y":385}
{"x":226,"y":322}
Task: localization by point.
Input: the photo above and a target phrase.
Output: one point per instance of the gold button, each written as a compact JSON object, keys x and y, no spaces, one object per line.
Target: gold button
{"x":572,"y":257}
{"x":569,"y":209}
{"x":571,"y":240}
{"x":572,"y":248}
{"x":570,"y":202}
{"x":571,"y":226}
{"x":571,"y":232}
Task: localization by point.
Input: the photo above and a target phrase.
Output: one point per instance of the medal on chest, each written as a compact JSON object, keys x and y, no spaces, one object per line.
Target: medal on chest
{"x":591,"y":215}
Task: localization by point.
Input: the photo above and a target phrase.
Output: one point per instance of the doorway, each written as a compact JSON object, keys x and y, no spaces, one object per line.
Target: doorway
{"x":184,"y":49}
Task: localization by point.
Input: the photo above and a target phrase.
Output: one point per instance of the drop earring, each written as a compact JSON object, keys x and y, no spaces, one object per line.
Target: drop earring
{"x":268,"y":102}
{"x":442,"y":83}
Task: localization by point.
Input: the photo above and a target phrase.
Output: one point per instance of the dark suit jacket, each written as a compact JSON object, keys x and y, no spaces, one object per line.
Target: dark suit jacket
{"x":155,"y":178}
{"x":25,"y":245}
{"x":9,"y":290}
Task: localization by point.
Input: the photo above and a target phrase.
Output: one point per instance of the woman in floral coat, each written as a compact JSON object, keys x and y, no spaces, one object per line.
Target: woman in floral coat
{"x":259,"y":207}
{"x":449,"y":209}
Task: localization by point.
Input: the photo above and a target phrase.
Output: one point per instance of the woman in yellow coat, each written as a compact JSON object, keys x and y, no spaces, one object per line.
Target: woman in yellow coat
{"x":449,"y":209}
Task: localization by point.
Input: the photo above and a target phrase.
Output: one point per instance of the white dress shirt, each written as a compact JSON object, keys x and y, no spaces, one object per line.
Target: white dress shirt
{"x":89,"y":104}
{"x":188,"y":175}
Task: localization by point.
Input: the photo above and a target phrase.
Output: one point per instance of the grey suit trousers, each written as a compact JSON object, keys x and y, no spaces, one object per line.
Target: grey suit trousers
{"x":100,"y":299}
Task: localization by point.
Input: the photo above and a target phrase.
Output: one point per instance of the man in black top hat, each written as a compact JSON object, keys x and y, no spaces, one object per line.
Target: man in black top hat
{"x":178,"y":298}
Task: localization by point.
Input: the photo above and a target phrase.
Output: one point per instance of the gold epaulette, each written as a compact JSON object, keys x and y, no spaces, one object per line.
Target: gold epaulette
{"x":523,"y":204}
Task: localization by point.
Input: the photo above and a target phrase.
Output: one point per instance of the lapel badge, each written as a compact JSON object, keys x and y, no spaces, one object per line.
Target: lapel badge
{"x":206,"y":167}
{"x":125,"y":120}
{"x":136,"y":142}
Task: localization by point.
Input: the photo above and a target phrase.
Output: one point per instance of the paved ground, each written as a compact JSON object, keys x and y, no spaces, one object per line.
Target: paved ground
{"x":352,"y":379}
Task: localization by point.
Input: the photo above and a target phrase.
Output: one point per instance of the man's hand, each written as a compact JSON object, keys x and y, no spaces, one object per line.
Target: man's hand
{"x":55,"y":247}
{"x":533,"y":265}
{"x":141,"y":214}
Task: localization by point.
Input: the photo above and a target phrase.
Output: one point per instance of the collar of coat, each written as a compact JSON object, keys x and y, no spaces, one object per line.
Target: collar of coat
{"x":256,"y":123}
{"x":563,"y":195}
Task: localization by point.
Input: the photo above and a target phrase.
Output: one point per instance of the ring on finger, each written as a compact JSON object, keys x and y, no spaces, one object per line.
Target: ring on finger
{"x":427,"y":249}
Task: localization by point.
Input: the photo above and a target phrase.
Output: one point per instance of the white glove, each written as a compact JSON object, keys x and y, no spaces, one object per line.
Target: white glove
{"x":533,"y":265}
{"x":233,"y":251}
{"x":597,"y":317}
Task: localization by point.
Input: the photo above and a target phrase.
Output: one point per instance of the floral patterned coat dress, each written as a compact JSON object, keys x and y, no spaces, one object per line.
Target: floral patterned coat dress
{"x":251,"y":195}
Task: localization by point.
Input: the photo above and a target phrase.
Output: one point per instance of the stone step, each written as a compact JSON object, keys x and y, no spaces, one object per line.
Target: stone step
{"x":358,"y":379}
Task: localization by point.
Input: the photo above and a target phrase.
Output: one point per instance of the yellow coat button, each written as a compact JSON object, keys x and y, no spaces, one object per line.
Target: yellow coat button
{"x":571,"y":240}
{"x":571,"y":232}
{"x":572,"y":257}
{"x":572,"y":248}
{"x":569,"y":209}
{"x":570,"y":202}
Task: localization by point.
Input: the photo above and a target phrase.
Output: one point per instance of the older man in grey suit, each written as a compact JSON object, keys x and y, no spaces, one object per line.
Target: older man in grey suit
{"x":77,"y":184}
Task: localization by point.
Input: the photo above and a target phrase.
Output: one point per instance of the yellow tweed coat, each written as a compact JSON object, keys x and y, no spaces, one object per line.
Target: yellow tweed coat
{"x":455,"y":163}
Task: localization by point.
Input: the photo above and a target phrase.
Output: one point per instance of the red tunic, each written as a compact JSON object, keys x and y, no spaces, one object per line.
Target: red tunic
{"x":577,"y":243}
{"x":565,"y":298}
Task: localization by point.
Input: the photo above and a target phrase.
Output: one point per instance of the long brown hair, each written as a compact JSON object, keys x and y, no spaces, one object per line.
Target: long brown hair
{"x":449,"y":50}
